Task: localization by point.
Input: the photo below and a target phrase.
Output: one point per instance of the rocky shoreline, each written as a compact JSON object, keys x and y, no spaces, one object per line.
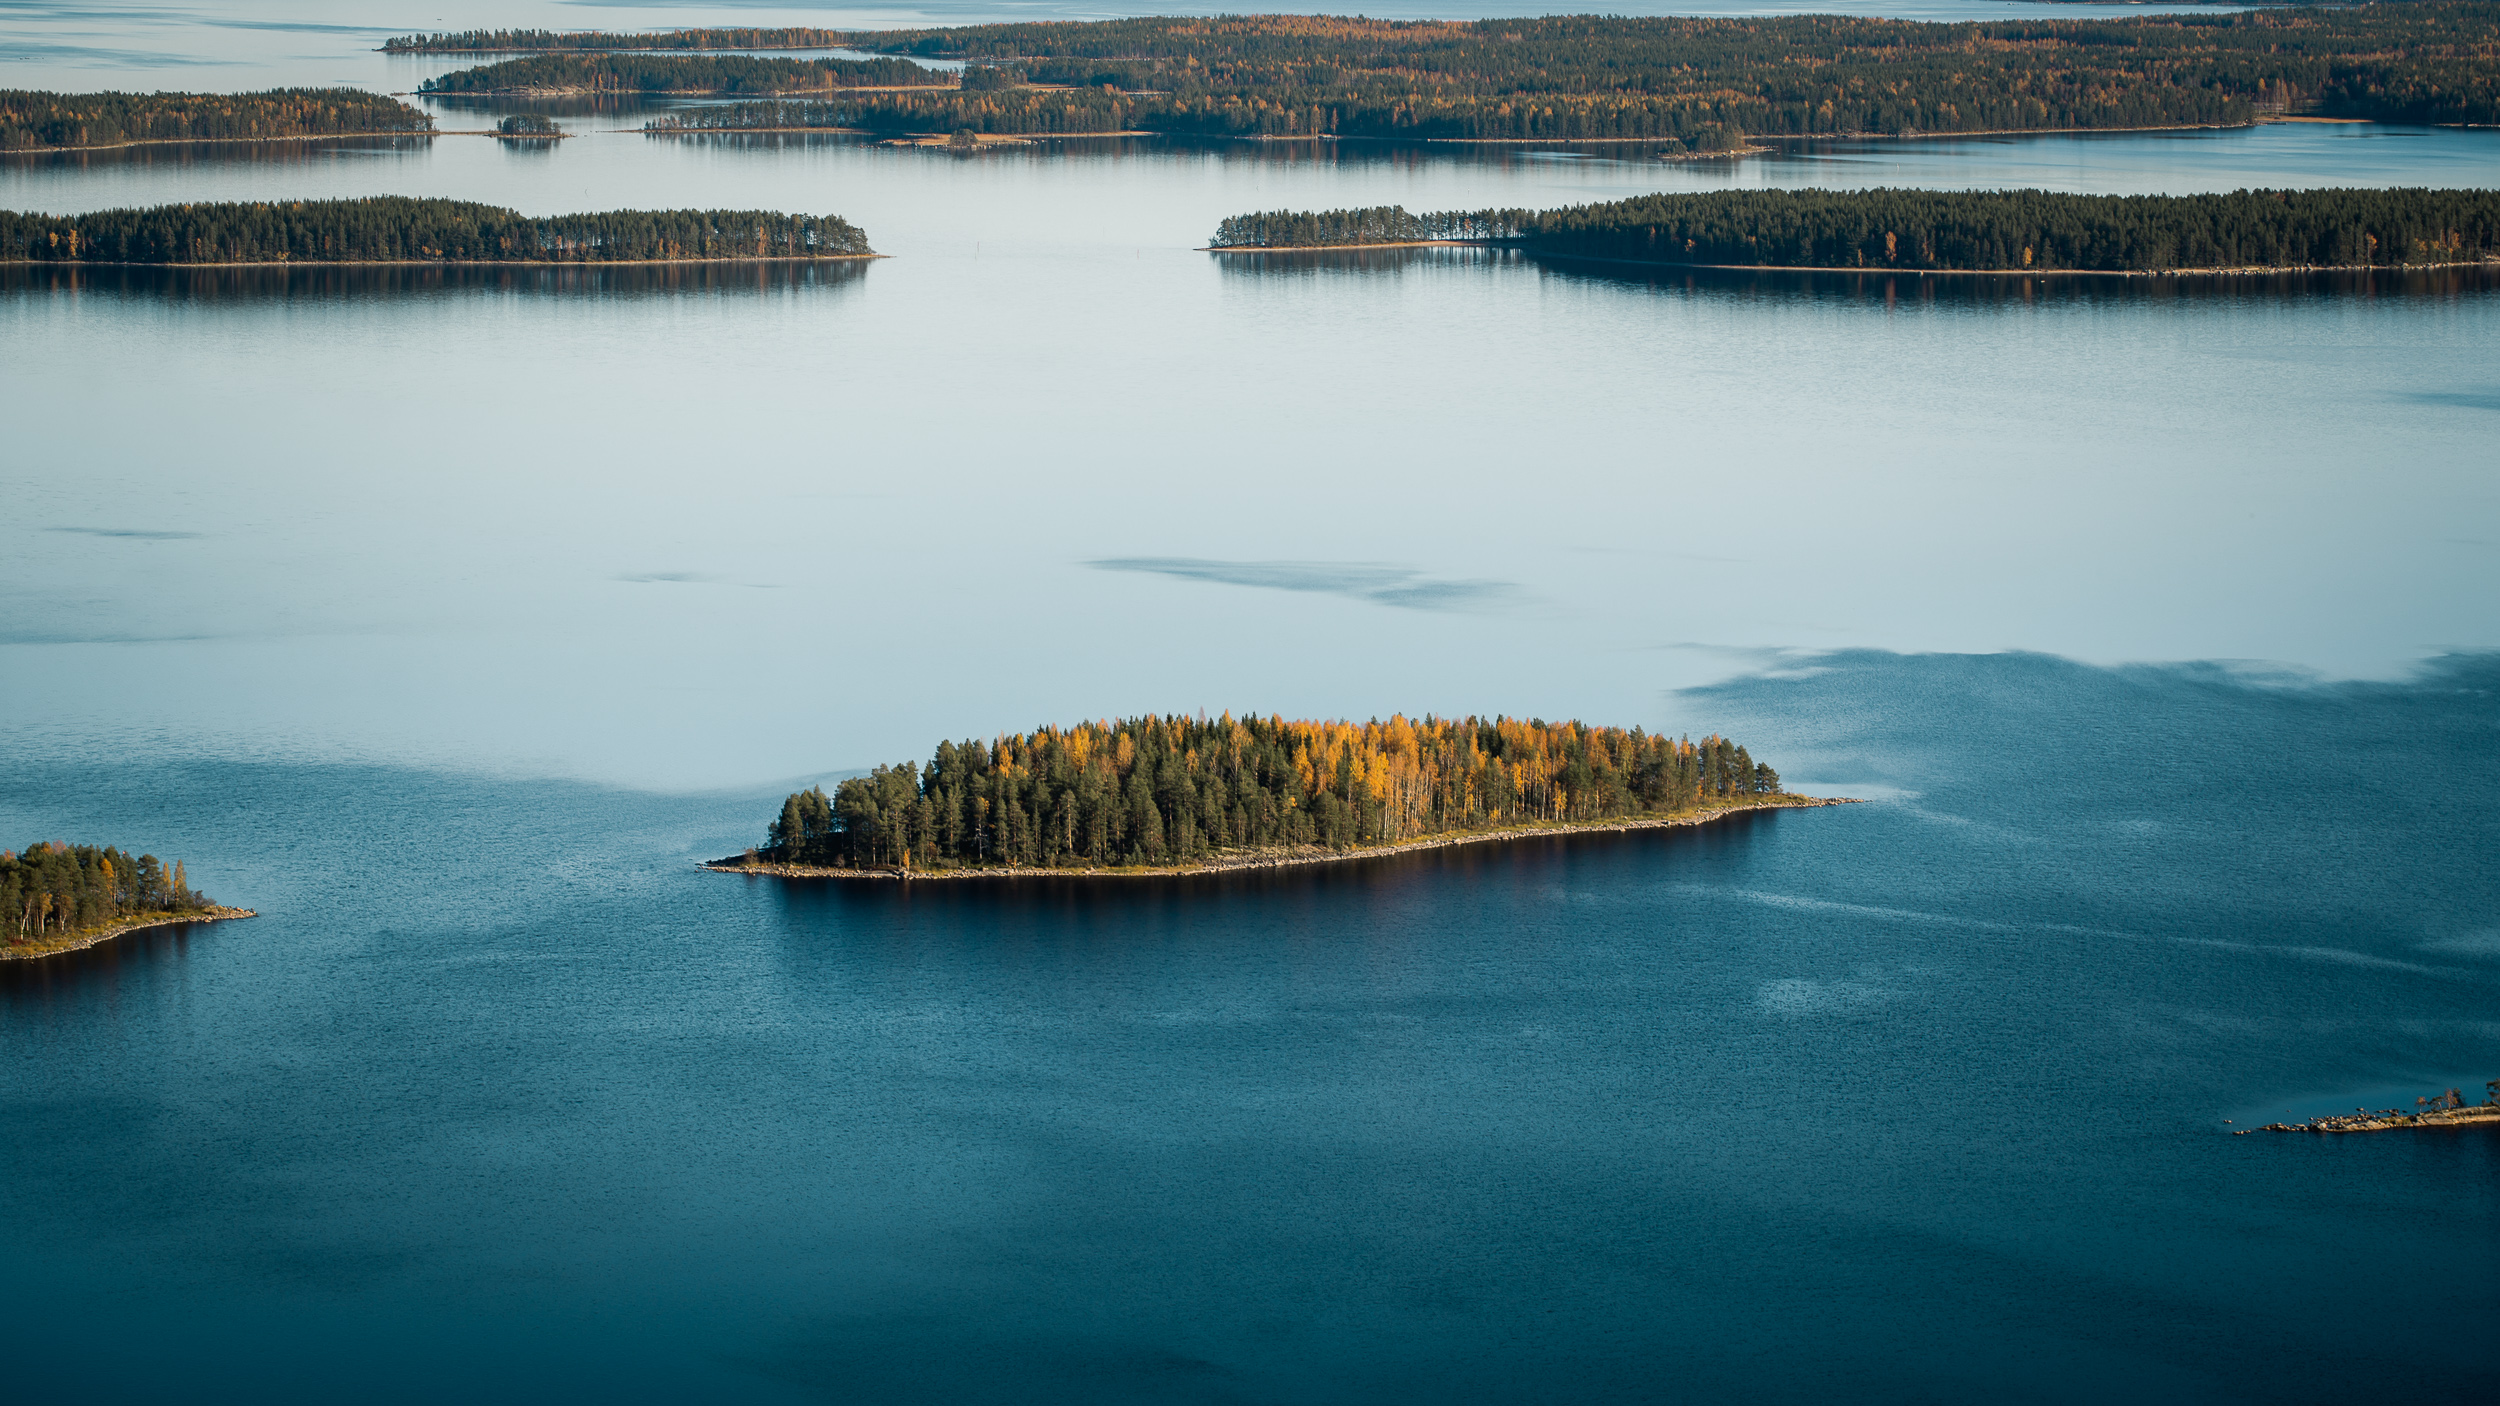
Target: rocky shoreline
{"x":2445,"y":1110}
{"x":1274,"y":858}
{"x":85,"y":938}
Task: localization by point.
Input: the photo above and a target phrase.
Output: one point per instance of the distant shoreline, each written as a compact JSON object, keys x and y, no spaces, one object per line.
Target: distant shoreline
{"x":437,"y":263}
{"x":198,"y":141}
{"x":85,"y":938}
{"x":1295,"y":858}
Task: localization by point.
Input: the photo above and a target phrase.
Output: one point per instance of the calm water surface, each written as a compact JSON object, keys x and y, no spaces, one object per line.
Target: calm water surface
{"x":447,"y":616}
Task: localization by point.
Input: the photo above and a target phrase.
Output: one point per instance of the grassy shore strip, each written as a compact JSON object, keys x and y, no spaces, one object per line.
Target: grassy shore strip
{"x":1288,"y":858}
{"x":89,"y":937}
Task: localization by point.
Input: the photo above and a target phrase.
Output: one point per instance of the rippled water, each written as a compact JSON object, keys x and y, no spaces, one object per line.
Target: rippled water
{"x":447,"y":616}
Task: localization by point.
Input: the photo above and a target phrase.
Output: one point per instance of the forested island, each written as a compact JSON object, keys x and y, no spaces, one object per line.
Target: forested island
{"x":505,"y":41}
{"x":34,"y":120}
{"x":1711,"y":84}
{"x":1988,"y":231}
{"x":400,"y":229}
{"x":56,"y":897}
{"x":670,"y":73}
{"x":1170,"y":793}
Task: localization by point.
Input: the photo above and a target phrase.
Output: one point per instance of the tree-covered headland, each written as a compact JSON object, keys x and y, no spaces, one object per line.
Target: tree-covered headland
{"x":673,"y":73}
{"x":399,"y":229}
{"x":1708,"y":84}
{"x":53,"y":890}
{"x":32,"y":119}
{"x":1176,"y":790}
{"x":1947,"y":230}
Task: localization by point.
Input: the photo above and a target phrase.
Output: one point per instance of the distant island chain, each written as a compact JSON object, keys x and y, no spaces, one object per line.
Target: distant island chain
{"x":1683,"y":85}
{"x":57,"y":897}
{"x":1182,"y":794}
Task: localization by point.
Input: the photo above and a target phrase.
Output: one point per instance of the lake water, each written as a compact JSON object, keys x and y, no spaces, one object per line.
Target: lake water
{"x":448,"y":617}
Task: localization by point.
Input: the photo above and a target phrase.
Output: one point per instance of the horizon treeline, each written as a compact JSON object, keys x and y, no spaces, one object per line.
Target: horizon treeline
{"x":1704,"y":83}
{"x":393,"y":228}
{"x":1948,"y":230}
{"x":673,"y":73}
{"x":52,"y":889}
{"x":1170,"y":789}
{"x":38,"y":119}
{"x":493,"y":41}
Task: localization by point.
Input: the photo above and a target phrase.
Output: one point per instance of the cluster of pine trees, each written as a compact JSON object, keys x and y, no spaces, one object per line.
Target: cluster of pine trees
{"x":493,"y":41}
{"x":33,"y":119}
{"x":670,"y":73}
{"x":393,"y":228}
{"x":1171,"y":789}
{"x":1706,"y":83}
{"x":1927,"y":229}
{"x":53,"y":889}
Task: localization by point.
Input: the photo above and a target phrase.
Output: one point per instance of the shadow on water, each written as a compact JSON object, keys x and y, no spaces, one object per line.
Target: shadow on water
{"x":208,"y":283}
{"x":183,"y":155}
{"x":1885,"y":286}
{"x":147,"y":954}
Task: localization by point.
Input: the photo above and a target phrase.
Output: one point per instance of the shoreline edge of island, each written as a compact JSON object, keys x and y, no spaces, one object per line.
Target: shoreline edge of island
{"x":1301,"y":857}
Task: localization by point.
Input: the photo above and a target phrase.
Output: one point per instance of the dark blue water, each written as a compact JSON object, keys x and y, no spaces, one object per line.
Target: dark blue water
{"x":1915,"y":1100}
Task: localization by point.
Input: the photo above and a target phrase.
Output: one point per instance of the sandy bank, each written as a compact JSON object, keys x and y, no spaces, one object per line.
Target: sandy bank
{"x":1285,"y":858}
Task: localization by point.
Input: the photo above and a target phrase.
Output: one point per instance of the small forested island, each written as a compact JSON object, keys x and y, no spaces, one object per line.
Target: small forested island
{"x":669,"y":73}
{"x":528,"y":126}
{"x":2446,"y":1109}
{"x":1686,"y":84}
{"x":1920,"y":230}
{"x":37,"y":121}
{"x":401,"y":230}
{"x":1180,"y":794}
{"x":56,"y":897}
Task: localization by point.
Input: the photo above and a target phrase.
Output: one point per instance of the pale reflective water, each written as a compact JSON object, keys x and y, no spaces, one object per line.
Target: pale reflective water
{"x":310,"y":571}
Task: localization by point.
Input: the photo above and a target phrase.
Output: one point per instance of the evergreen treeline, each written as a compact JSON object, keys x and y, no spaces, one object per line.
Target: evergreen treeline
{"x":32,"y":119}
{"x":1160,"y":790}
{"x":497,"y":41}
{"x":53,"y":889}
{"x":1926,"y":229}
{"x":671,"y":73}
{"x":1706,"y":83}
{"x":394,"y":228}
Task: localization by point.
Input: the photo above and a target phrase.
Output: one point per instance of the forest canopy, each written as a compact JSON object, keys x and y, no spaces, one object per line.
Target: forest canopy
{"x":1172,"y":789}
{"x":1705,"y":83}
{"x":1948,"y":230}
{"x":673,"y":73}
{"x":32,"y":119}
{"x":395,"y":229}
{"x":52,"y":889}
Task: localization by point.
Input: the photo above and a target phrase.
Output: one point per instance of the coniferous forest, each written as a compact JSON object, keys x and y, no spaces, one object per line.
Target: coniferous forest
{"x":672,"y":73}
{"x":1706,"y":84}
{"x":52,"y":889}
{"x":396,"y":229}
{"x":32,"y":119}
{"x":1175,"y":789}
{"x":1949,"y":230}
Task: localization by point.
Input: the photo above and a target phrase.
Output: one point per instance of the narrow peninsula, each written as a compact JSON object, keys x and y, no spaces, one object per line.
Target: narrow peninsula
{"x":56,"y":897}
{"x":727,"y":75}
{"x":1162,"y":795}
{"x":36,"y":121}
{"x":395,"y":229}
{"x":1988,"y":231}
{"x":2446,"y":1109}
{"x":1679,"y":85}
